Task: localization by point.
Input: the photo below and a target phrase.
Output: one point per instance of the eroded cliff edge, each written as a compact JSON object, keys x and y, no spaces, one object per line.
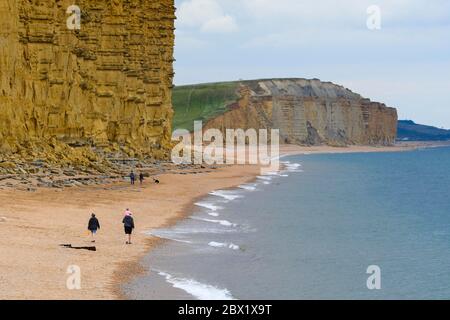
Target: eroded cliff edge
{"x":307,"y":112}
{"x":64,"y":93}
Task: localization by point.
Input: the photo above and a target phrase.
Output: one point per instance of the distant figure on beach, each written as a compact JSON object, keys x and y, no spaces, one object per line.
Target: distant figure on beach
{"x":128,"y":223}
{"x":141,"y":178}
{"x":132,"y":177}
{"x":155,"y":180}
{"x":93,"y":226}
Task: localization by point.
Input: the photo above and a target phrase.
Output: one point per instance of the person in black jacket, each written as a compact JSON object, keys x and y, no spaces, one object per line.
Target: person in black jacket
{"x":93,"y":226}
{"x":128,"y":223}
{"x":132,"y":177}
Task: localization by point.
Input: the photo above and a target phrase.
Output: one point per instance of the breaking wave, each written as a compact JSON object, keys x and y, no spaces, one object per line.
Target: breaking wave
{"x":248,"y":186}
{"x":228,"y":195}
{"x":208,"y":205}
{"x":225,"y":223}
{"x":223,"y":245}
{"x":199,"y":290}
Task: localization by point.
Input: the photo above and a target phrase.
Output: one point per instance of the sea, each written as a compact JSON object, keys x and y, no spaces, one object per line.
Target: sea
{"x":327,"y":226}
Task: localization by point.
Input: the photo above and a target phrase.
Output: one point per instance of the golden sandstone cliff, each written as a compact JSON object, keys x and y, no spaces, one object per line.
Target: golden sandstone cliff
{"x":105,"y":86}
{"x":75,"y":98}
{"x":309,"y":112}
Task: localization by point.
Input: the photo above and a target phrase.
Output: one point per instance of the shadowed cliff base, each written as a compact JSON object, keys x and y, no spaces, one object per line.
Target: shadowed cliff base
{"x":307,"y":112}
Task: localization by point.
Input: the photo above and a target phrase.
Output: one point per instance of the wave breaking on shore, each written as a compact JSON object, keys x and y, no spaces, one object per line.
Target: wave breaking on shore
{"x":197,"y":289}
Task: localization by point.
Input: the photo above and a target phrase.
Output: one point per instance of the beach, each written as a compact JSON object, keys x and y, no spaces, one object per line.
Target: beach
{"x":34,"y":225}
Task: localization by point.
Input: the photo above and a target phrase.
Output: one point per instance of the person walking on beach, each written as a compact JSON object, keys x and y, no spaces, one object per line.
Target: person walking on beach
{"x":141,"y":178}
{"x":132,"y":177}
{"x":93,"y":226}
{"x":128,"y":223}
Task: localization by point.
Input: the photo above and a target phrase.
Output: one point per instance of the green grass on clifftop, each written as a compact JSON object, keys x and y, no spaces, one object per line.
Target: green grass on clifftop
{"x":201,"y":102}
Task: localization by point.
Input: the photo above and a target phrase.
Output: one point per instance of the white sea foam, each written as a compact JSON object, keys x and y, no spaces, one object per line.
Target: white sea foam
{"x":228,"y":195}
{"x":266,"y":182}
{"x":248,"y":186}
{"x":199,"y":290}
{"x":271,"y":173}
{"x":221,"y":222}
{"x":217,"y":244}
{"x":188,"y":230}
{"x":183,"y":233}
{"x":266,"y":178}
{"x":167,"y":235}
{"x":292,"y":167}
{"x":213,"y":214}
{"x":224,"y":245}
{"x":208,"y":205}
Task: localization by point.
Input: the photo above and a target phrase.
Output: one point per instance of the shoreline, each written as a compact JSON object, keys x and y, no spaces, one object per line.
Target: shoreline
{"x":39,"y":222}
{"x":285,"y":150}
{"x":34,"y":225}
{"x":153,"y":242}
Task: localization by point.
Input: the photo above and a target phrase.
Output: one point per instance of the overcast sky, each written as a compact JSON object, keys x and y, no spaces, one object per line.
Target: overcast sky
{"x":405,"y":64}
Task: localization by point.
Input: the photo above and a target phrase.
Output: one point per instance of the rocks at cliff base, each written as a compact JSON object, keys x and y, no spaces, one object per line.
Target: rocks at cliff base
{"x":40,"y":174}
{"x":83,"y":107}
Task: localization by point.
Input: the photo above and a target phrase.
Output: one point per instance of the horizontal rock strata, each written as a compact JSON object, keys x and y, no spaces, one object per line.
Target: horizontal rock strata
{"x":106,"y":85}
{"x":309,"y":112}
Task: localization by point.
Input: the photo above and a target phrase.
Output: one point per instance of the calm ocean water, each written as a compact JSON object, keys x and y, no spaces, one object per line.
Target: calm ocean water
{"x":312,"y":231}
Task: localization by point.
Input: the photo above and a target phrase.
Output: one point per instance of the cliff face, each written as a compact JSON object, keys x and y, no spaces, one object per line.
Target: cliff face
{"x":106,"y":85}
{"x":310,"y":112}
